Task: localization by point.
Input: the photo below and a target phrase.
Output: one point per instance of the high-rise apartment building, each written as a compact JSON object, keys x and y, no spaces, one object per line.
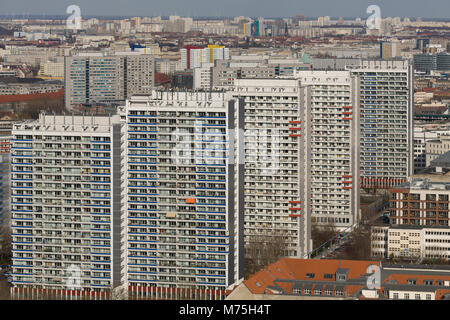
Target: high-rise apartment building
{"x":65,"y":206}
{"x":103,"y":77}
{"x":386,"y":107}
{"x":193,"y":57}
{"x":183,"y":194}
{"x":276,"y":171}
{"x":332,"y":145}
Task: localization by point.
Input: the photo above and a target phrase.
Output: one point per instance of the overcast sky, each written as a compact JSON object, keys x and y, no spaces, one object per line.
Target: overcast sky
{"x":252,"y":8}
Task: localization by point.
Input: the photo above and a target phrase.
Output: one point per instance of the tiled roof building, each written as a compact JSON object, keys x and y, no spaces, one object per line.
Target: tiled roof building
{"x":289,"y":279}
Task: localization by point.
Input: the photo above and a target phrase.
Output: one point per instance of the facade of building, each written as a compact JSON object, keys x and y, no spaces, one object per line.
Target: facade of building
{"x":386,"y":122}
{"x":65,"y":207}
{"x":192,"y":57}
{"x":332,"y":145}
{"x":427,"y":62}
{"x":202,"y":77}
{"x":183,"y":194}
{"x":53,"y":68}
{"x":276,"y":161}
{"x":390,"y":49}
{"x":422,"y":137}
{"x":100,"y":77}
{"x":225,"y":73}
{"x":420,"y":202}
{"x":410,"y":242}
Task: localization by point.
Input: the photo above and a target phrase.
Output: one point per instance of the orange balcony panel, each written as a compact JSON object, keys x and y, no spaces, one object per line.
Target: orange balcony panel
{"x":347,"y":112}
{"x":295,"y":215}
{"x":347,"y":181}
{"x":190,"y":200}
{"x":295,"y":209}
{"x":295,"y":128}
{"x":295,"y":121}
{"x":347,"y":176}
{"x":347,"y":107}
{"x":295,"y":135}
{"x":294,"y":201}
{"x":346,"y":188}
{"x":347,"y":118}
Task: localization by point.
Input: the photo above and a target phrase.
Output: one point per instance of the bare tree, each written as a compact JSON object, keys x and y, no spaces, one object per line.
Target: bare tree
{"x":321,"y":233}
{"x":119,"y":293}
{"x":5,"y":243}
{"x":358,"y":246}
{"x":262,"y":250}
{"x":4,"y":290}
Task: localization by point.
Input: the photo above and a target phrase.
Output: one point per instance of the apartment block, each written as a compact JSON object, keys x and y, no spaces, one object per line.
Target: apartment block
{"x":420,"y":202}
{"x":183,"y":194}
{"x":65,"y":207}
{"x":276,"y":161}
{"x":193,"y":57}
{"x":386,"y":107}
{"x":225,"y":73}
{"x":332,"y":145}
{"x":202,"y":77}
{"x":104,"y":77}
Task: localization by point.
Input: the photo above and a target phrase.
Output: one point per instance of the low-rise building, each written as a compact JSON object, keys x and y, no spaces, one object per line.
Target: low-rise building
{"x":314,"y":279}
{"x":410,"y":242}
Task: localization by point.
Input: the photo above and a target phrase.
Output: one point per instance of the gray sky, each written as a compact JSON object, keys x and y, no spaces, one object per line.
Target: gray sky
{"x":253,"y":8}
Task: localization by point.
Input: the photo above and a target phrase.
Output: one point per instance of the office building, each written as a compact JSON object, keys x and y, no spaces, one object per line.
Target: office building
{"x":410,"y":242}
{"x":65,"y":207}
{"x":183,"y":194}
{"x":427,"y":62}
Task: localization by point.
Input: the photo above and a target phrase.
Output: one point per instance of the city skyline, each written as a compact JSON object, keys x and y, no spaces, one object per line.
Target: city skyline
{"x":283,"y":8}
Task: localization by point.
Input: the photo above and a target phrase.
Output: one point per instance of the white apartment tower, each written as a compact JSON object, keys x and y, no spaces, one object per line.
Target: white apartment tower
{"x":65,"y":207}
{"x":386,"y":104}
{"x":332,"y":145}
{"x":301,"y":155}
{"x":183,"y":194}
{"x":106,"y":77}
{"x":276,"y":177}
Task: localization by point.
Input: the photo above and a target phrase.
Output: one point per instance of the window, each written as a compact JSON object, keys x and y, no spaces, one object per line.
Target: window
{"x":412,"y":281}
{"x":428,"y":296}
{"x":297,"y":291}
{"x":310,"y":275}
{"x":328,"y":276}
{"x":406,"y":296}
{"x":428,"y":282}
{"x":338,"y":293}
{"x":417,"y":296}
{"x":395,"y":295}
